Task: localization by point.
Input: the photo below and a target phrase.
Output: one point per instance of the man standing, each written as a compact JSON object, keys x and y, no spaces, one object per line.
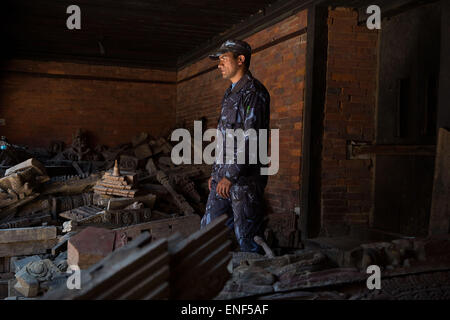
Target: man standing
{"x":237,"y":189}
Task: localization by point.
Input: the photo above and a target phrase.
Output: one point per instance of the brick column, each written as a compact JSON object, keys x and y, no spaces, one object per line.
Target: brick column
{"x":347,"y":191}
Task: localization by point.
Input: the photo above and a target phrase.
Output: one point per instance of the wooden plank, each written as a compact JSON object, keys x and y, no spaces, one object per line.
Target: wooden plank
{"x":214,"y":280}
{"x":312,"y":136}
{"x":196,"y":239}
{"x":193,"y":284}
{"x":26,"y":248}
{"x":198,"y":264}
{"x":117,"y":218}
{"x":185,"y":225}
{"x":30,"y":163}
{"x":221,"y":252}
{"x":27,"y":221}
{"x":27,"y":234}
{"x":160,"y":293}
{"x":440,"y":203}
{"x":120,"y":203}
{"x":80,"y":213}
{"x":72,"y":186}
{"x":131,"y":279}
{"x":182,"y":261}
{"x":116,"y":266}
{"x":146,"y":285}
{"x":12,"y":208}
{"x":443,"y":110}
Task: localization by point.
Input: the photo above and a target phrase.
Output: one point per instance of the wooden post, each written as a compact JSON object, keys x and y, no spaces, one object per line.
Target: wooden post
{"x":440,"y":202}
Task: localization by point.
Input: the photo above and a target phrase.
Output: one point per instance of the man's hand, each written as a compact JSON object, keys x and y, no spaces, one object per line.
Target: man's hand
{"x":209,"y":183}
{"x":223,"y":188}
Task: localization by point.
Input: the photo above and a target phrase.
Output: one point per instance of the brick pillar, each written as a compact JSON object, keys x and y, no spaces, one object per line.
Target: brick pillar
{"x":347,"y":191}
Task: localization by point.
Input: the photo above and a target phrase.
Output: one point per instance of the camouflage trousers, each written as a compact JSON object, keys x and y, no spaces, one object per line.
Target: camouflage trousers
{"x":245,"y":209}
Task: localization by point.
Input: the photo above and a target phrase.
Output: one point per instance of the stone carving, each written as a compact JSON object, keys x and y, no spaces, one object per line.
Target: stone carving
{"x":181,"y":202}
{"x":185,"y":186}
{"x":35,"y":272}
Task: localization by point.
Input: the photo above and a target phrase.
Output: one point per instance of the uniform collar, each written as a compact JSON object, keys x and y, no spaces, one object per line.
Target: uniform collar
{"x":245,"y":78}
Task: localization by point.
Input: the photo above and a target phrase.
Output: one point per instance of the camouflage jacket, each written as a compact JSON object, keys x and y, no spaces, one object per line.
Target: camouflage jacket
{"x":246,"y":106}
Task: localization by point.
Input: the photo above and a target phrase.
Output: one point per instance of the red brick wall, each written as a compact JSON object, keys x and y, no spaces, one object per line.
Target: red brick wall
{"x":347,"y":191}
{"x":39,"y":107}
{"x":281,"y":68}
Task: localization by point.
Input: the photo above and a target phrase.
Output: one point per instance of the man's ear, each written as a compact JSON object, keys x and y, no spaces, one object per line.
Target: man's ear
{"x":241,"y":59}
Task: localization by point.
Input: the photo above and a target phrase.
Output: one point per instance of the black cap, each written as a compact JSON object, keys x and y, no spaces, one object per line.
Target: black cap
{"x":236,"y":46}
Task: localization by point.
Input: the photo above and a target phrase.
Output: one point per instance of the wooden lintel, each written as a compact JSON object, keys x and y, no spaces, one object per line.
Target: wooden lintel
{"x":395,"y":150}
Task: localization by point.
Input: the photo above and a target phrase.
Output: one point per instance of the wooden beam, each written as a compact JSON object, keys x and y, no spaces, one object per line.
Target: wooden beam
{"x":263,"y":19}
{"x":83,"y":77}
{"x":11,"y":209}
{"x":185,"y":225}
{"x":156,"y":63}
{"x":30,"y":163}
{"x":146,"y":271}
{"x":443,"y":112}
{"x":120,"y":203}
{"x":72,"y":186}
{"x":440,"y":203}
{"x":26,"y":248}
{"x":27,"y":234}
{"x":316,"y":57}
{"x":359,"y":151}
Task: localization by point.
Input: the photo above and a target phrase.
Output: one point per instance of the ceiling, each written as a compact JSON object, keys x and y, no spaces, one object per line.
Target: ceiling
{"x":149,"y":33}
{"x":161,"y":34}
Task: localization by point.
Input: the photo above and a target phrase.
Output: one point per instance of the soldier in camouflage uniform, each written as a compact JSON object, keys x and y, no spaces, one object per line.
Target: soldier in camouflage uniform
{"x":237,"y":189}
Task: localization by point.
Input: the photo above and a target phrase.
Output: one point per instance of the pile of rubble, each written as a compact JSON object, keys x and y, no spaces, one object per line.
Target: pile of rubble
{"x":410,"y":269}
{"x":130,"y":220}
{"x":76,"y":205}
{"x":194,"y":267}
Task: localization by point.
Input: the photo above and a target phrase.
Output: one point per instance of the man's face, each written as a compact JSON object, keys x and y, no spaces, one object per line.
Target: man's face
{"x":228,"y":65}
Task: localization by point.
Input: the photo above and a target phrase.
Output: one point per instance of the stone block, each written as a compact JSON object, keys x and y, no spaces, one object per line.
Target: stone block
{"x":89,"y":246}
